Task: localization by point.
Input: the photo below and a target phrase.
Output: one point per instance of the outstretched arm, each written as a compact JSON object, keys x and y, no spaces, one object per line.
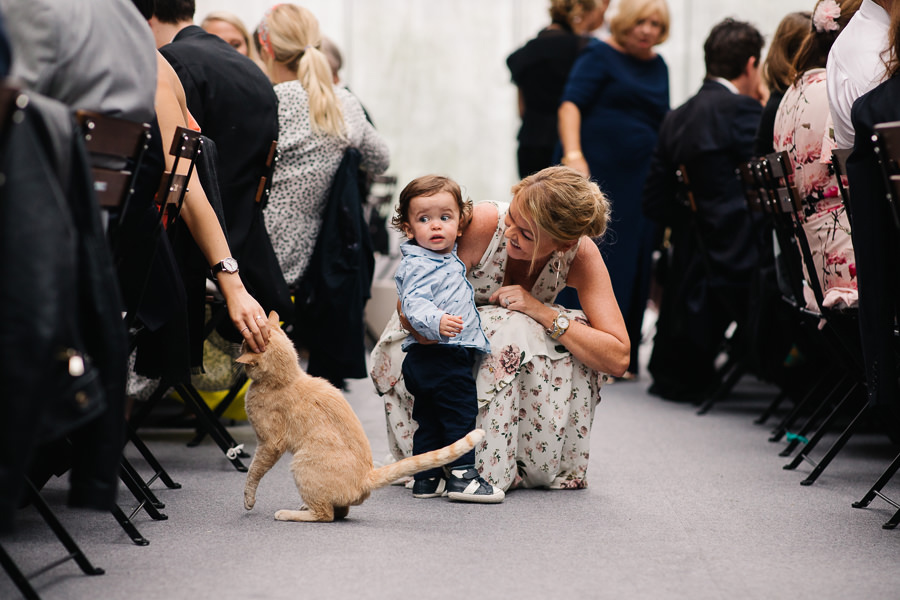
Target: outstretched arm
{"x":201,"y":220}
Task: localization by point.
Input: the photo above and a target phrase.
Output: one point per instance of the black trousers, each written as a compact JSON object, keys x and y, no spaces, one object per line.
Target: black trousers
{"x":439,"y":376}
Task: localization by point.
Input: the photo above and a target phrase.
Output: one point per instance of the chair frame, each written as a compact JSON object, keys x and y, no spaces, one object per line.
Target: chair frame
{"x":886,"y":137}
{"x":835,"y":331}
{"x":729,"y":373}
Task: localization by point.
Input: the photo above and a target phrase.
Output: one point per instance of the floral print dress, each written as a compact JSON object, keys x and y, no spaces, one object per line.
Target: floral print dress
{"x":536,"y":401}
{"x":803,"y":128}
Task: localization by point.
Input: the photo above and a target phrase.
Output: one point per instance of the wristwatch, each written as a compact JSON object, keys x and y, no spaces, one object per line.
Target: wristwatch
{"x":228,"y":265}
{"x":559,"y":326}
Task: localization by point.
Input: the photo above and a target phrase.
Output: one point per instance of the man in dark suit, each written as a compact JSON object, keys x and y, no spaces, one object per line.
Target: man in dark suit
{"x":235,"y":106}
{"x":708,"y":135}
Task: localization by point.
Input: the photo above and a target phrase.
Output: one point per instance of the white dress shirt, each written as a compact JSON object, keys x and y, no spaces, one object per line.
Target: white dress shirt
{"x":855,"y":65}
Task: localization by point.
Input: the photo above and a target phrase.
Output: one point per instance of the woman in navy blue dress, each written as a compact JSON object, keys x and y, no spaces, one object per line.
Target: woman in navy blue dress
{"x":540,"y":69}
{"x":615,"y":99}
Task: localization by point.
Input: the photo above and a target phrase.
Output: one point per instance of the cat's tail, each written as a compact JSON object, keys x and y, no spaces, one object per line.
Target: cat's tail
{"x":388,"y":474}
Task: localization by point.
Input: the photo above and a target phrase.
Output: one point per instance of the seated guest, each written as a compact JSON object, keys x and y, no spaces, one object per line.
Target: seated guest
{"x":230,"y":28}
{"x":319,"y":121}
{"x":778,"y":74}
{"x":539,"y":386}
{"x":855,"y":64}
{"x":802,"y":122}
{"x":875,"y":239}
{"x":96,"y":56}
{"x":709,"y":134}
{"x":234,"y":105}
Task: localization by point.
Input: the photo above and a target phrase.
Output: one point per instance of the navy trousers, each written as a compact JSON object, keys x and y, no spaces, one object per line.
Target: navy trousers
{"x":439,"y":376}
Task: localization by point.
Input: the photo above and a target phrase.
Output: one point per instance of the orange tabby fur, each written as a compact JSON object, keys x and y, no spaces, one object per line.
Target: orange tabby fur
{"x":291,"y":411}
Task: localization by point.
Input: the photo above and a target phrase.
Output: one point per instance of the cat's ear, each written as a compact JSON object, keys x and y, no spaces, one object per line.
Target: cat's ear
{"x":274,"y":320}
{"x":246,"y":358}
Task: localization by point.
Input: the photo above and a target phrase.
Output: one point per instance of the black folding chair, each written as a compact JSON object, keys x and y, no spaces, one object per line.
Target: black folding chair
{"x":116,"y":148}
{"x":887,"y":149}
{"x":208,"y":419}
{"x":734,"y":346}
{"x":839,"y":330}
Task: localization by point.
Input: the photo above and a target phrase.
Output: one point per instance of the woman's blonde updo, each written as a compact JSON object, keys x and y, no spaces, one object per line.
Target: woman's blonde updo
{"x":289,"y":34}
{"x":563,"y":203}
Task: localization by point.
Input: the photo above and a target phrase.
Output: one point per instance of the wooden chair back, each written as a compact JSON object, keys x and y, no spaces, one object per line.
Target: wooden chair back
{"x":186,"y":145}
{"x":265,"y":182}
{"x":116,"y":147}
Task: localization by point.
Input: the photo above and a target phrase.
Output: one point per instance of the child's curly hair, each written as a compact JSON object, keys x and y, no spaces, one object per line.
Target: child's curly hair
{"x":429,"y":185}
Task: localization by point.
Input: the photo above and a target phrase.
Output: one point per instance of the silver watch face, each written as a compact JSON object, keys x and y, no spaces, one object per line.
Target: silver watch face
{"x":230,"y":265}
{"x":562,"y":321}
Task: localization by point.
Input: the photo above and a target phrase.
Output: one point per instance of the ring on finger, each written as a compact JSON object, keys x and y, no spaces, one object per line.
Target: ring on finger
{"x":506,"y":302}
{"x":245,"y":329}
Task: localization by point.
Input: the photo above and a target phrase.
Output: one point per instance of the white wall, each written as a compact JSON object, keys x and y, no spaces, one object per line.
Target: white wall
{"x":433,"y":75}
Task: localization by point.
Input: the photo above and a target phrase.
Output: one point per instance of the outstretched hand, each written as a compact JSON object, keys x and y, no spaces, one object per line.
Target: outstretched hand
{"x":248,"y":316}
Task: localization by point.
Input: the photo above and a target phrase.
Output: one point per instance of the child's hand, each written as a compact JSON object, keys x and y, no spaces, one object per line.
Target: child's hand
{"x":451,"y":325}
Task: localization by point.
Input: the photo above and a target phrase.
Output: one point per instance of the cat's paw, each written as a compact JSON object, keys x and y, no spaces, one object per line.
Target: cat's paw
{"x":249,"y":500}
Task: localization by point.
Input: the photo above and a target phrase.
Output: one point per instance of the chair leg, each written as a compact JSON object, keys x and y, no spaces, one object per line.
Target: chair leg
{"x":129,"y":527}
{"x":222,"y":406}
{"x":732,"y":376}
{"x":893,"y":522}
{"x":833,"y":410}
{"x":770,"y":410}
{"x":158,"y":471}
{"x":211,"y":424}
{"x":18,"y":578}
{"x":75,"y":552}
{"x":142,"y":493}
{"x":795,"y":438}
{"x":876,"y":488}
{"x":835,"y":447}
{"x":807,"y":400}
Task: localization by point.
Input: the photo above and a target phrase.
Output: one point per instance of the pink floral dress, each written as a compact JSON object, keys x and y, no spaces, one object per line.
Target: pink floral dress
{"x":803,"y":128}
{"x":536,"y":401}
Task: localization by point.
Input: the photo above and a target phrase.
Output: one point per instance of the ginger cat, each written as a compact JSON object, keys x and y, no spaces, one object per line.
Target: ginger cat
{"x":291,"y":411}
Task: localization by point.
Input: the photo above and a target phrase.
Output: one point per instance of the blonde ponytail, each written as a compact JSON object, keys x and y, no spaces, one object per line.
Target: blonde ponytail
{"x":291,"y":34}
{"x":315,"y":76}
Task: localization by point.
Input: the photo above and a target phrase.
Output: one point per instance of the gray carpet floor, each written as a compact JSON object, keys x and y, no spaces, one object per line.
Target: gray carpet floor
{"x":679,"y":506}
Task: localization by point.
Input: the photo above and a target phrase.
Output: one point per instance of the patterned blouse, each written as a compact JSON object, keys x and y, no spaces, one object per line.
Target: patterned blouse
{"x":803,"y":129}
{"x":307,"y":162}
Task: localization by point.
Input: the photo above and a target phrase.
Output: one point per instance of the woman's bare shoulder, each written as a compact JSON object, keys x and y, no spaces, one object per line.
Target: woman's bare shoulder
{"x":587,"y":266}
{"x":478,"y":233}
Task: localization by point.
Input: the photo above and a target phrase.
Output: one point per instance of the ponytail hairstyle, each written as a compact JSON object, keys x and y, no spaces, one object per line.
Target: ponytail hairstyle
{"x":289,"y":35}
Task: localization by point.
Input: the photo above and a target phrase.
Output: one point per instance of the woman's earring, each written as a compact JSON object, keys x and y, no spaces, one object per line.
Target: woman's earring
{"x":557,"y":266}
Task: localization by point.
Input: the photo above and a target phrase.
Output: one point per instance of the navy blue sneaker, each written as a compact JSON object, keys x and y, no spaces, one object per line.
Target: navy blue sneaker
{"x":466,"y":485}
{"x":433,"y":487}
